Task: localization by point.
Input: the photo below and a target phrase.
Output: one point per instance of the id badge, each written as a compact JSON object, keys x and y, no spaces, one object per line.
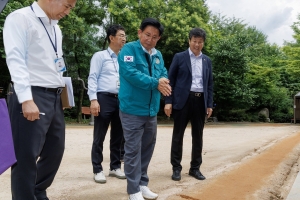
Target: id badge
{"x":60,"y":65}
{"x":118,"y":84}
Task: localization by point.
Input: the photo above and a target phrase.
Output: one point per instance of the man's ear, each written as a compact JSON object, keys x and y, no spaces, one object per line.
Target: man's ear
{"x":139,"y":32}
{"x":111,"y":38}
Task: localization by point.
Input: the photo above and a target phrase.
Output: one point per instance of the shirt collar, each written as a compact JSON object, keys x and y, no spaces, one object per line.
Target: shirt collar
{"x":192,"y":54}
{"x":153,"y":50}
{"x":41,"y":14}
{"x":111,"y":52}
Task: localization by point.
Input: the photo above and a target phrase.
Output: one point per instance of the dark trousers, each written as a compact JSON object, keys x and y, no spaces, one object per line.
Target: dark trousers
{"x":193,"y":111}
{"x":122,"y":149}
{"x":109,"y":114}
{"x":39,"y":145}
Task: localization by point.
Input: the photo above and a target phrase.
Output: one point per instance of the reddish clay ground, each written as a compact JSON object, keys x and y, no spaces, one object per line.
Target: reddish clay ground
{"x":246,"y":179}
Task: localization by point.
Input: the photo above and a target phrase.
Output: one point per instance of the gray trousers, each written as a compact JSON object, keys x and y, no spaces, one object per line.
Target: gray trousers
{"x":39,"y":145}
{"x":140,"y":138}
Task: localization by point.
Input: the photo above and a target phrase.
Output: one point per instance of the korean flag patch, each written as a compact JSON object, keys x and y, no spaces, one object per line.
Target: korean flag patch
{"x":128,"y":58}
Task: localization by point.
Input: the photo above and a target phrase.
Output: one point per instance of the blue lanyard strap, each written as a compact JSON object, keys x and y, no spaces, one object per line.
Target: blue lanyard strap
{"x":112,"y":60}
{"x":54,"y":46}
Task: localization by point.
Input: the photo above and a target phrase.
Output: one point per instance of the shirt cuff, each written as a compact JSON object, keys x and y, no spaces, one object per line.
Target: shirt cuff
{"x":93,"y":96}
{"x":25,"y":95}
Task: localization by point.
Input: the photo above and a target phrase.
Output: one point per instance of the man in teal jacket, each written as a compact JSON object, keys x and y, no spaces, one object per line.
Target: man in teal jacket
{"x":143,"y":77}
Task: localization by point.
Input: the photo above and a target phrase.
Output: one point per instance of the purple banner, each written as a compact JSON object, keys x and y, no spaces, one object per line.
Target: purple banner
{"x":7,"y":152}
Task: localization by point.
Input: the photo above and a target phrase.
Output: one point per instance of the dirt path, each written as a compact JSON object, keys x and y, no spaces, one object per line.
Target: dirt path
{"x":232,"y":152}
{"x":246,"y":179}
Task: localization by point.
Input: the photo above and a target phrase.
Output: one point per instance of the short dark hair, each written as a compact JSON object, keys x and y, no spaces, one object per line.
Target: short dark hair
{"x":152,"y":22}
{"x":112,"y":30}
{"x":197,"y":32}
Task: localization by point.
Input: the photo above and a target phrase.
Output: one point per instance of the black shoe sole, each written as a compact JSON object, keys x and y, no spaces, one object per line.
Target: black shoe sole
{"x":176,"y":179}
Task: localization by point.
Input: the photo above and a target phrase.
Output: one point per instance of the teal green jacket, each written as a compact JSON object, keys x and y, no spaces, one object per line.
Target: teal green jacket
{"x":138,"y":93}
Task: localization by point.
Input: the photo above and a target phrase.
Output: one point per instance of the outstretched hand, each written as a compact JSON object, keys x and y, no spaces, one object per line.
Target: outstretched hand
{"x":164,"y":87}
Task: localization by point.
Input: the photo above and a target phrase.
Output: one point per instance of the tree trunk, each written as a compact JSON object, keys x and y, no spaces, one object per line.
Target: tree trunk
{"x":79,"y":103}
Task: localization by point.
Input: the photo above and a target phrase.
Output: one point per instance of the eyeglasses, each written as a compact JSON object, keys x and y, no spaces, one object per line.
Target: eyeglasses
{"x":154,"y":38}
{"x":122,"y":36}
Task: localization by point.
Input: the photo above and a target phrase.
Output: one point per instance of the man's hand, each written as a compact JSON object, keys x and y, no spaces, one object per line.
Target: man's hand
{"x":164,"y":87}
{"x":95,"y":107}
{"x":209,"y":112}
{"x":30,"y":110}
{"x":168,"y":109}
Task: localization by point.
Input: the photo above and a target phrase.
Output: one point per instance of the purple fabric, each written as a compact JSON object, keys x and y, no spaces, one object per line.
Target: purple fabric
{"x":7,"y":152}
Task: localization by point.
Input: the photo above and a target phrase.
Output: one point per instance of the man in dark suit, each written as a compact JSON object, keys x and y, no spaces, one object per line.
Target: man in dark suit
{"x":191,"y":79}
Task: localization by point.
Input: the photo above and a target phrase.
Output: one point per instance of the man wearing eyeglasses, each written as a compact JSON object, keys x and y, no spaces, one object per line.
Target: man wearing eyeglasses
{"x":103,"y":89}
{"x":143,"y":76}
{"x":191,"y":80}
{"x":33,"y":47}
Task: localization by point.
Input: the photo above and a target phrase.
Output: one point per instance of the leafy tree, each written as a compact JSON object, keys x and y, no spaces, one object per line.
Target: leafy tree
{"x":180,"y":18}
{"x":130,"y":13}
{"x":290,"y":67}
{"x":247,"y":71}
{"x":230,"y":66}
{"x":268,"y":93}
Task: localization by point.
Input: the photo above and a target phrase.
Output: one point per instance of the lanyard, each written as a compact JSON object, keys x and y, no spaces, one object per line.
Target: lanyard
{"x":112,"y":60}
{"x":54,"y":46}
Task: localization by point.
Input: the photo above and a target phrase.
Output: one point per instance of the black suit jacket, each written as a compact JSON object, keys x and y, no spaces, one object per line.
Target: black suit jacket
{"x":180,"y":76}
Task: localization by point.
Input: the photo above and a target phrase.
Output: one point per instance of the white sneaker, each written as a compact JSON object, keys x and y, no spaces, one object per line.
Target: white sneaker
{"x":100,"y":177}
{"x":147,"y":193}
{"x":117,"y":173}
{"x":136,"y":196}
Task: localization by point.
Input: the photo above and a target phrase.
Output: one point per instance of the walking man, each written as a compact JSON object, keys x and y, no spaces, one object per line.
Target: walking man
{"x":143,"y":76}
{"x":103,"y":89}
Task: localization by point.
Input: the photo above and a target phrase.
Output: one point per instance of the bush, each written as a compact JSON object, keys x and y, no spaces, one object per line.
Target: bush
{"x":233,"y":115}
{"x":280,"y":117}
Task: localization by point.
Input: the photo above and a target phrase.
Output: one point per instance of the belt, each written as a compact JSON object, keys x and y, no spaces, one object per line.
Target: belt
{"x":196,"y":94}
{"x":109,"y":94}
{"x":54,"y":90}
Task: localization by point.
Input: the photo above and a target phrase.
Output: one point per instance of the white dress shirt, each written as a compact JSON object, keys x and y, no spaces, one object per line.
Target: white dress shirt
{"x":104,"y":73}
{"x":196,"y":64}
{"x":29,"y":53}
{"x":153,"y":52}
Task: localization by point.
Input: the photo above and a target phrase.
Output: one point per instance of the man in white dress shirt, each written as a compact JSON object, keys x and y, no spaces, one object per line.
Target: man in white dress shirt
{"x":103,"y":89}
{"x":33,"y":47}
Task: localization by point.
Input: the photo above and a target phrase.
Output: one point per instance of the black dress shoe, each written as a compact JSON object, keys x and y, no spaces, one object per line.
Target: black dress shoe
{"x":196,"y":174}
{"x":176,"y":175}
